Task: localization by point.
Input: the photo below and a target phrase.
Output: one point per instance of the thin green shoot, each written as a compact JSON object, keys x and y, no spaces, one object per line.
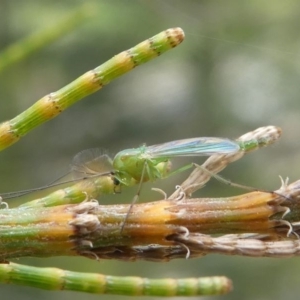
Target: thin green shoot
{"x":54,"y":103}
{"x":58,"y":279}
{"x":25,"y":47}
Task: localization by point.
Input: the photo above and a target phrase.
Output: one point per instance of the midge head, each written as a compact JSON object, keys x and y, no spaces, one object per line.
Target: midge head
{"x":136,"y":165}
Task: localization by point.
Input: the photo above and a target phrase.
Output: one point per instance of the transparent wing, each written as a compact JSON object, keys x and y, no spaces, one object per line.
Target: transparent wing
{"x":91,"y":162}
{"x":193,"y":147}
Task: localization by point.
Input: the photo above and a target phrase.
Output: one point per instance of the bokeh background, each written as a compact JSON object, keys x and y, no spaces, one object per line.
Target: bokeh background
{"x":238,"y":69}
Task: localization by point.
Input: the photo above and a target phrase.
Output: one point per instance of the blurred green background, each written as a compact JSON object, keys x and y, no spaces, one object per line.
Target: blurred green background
{"x":238,"y":69}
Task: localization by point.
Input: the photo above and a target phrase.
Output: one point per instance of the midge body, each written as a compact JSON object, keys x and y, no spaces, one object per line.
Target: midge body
{"x":153,"y":162}
{"x":96,"y":173}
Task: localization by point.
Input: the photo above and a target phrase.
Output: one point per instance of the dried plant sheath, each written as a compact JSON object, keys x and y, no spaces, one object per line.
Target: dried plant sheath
{"x":93,"y":228}
{"x":239,"y":245}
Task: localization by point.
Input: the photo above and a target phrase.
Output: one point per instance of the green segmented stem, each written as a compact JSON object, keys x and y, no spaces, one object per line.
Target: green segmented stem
{"x":54,"y":103}
{"x":82,"y":190}
{"x":58,"y":279}
{"x":65,"y":229}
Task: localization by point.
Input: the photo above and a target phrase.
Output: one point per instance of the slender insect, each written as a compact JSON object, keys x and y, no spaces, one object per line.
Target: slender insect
{"x":129,"y":167}
{"x":153,"y":162}
{"x":95,"y":173}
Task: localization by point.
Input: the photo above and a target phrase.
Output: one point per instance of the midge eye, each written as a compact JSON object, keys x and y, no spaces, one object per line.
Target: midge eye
{"x":124,"y":157}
